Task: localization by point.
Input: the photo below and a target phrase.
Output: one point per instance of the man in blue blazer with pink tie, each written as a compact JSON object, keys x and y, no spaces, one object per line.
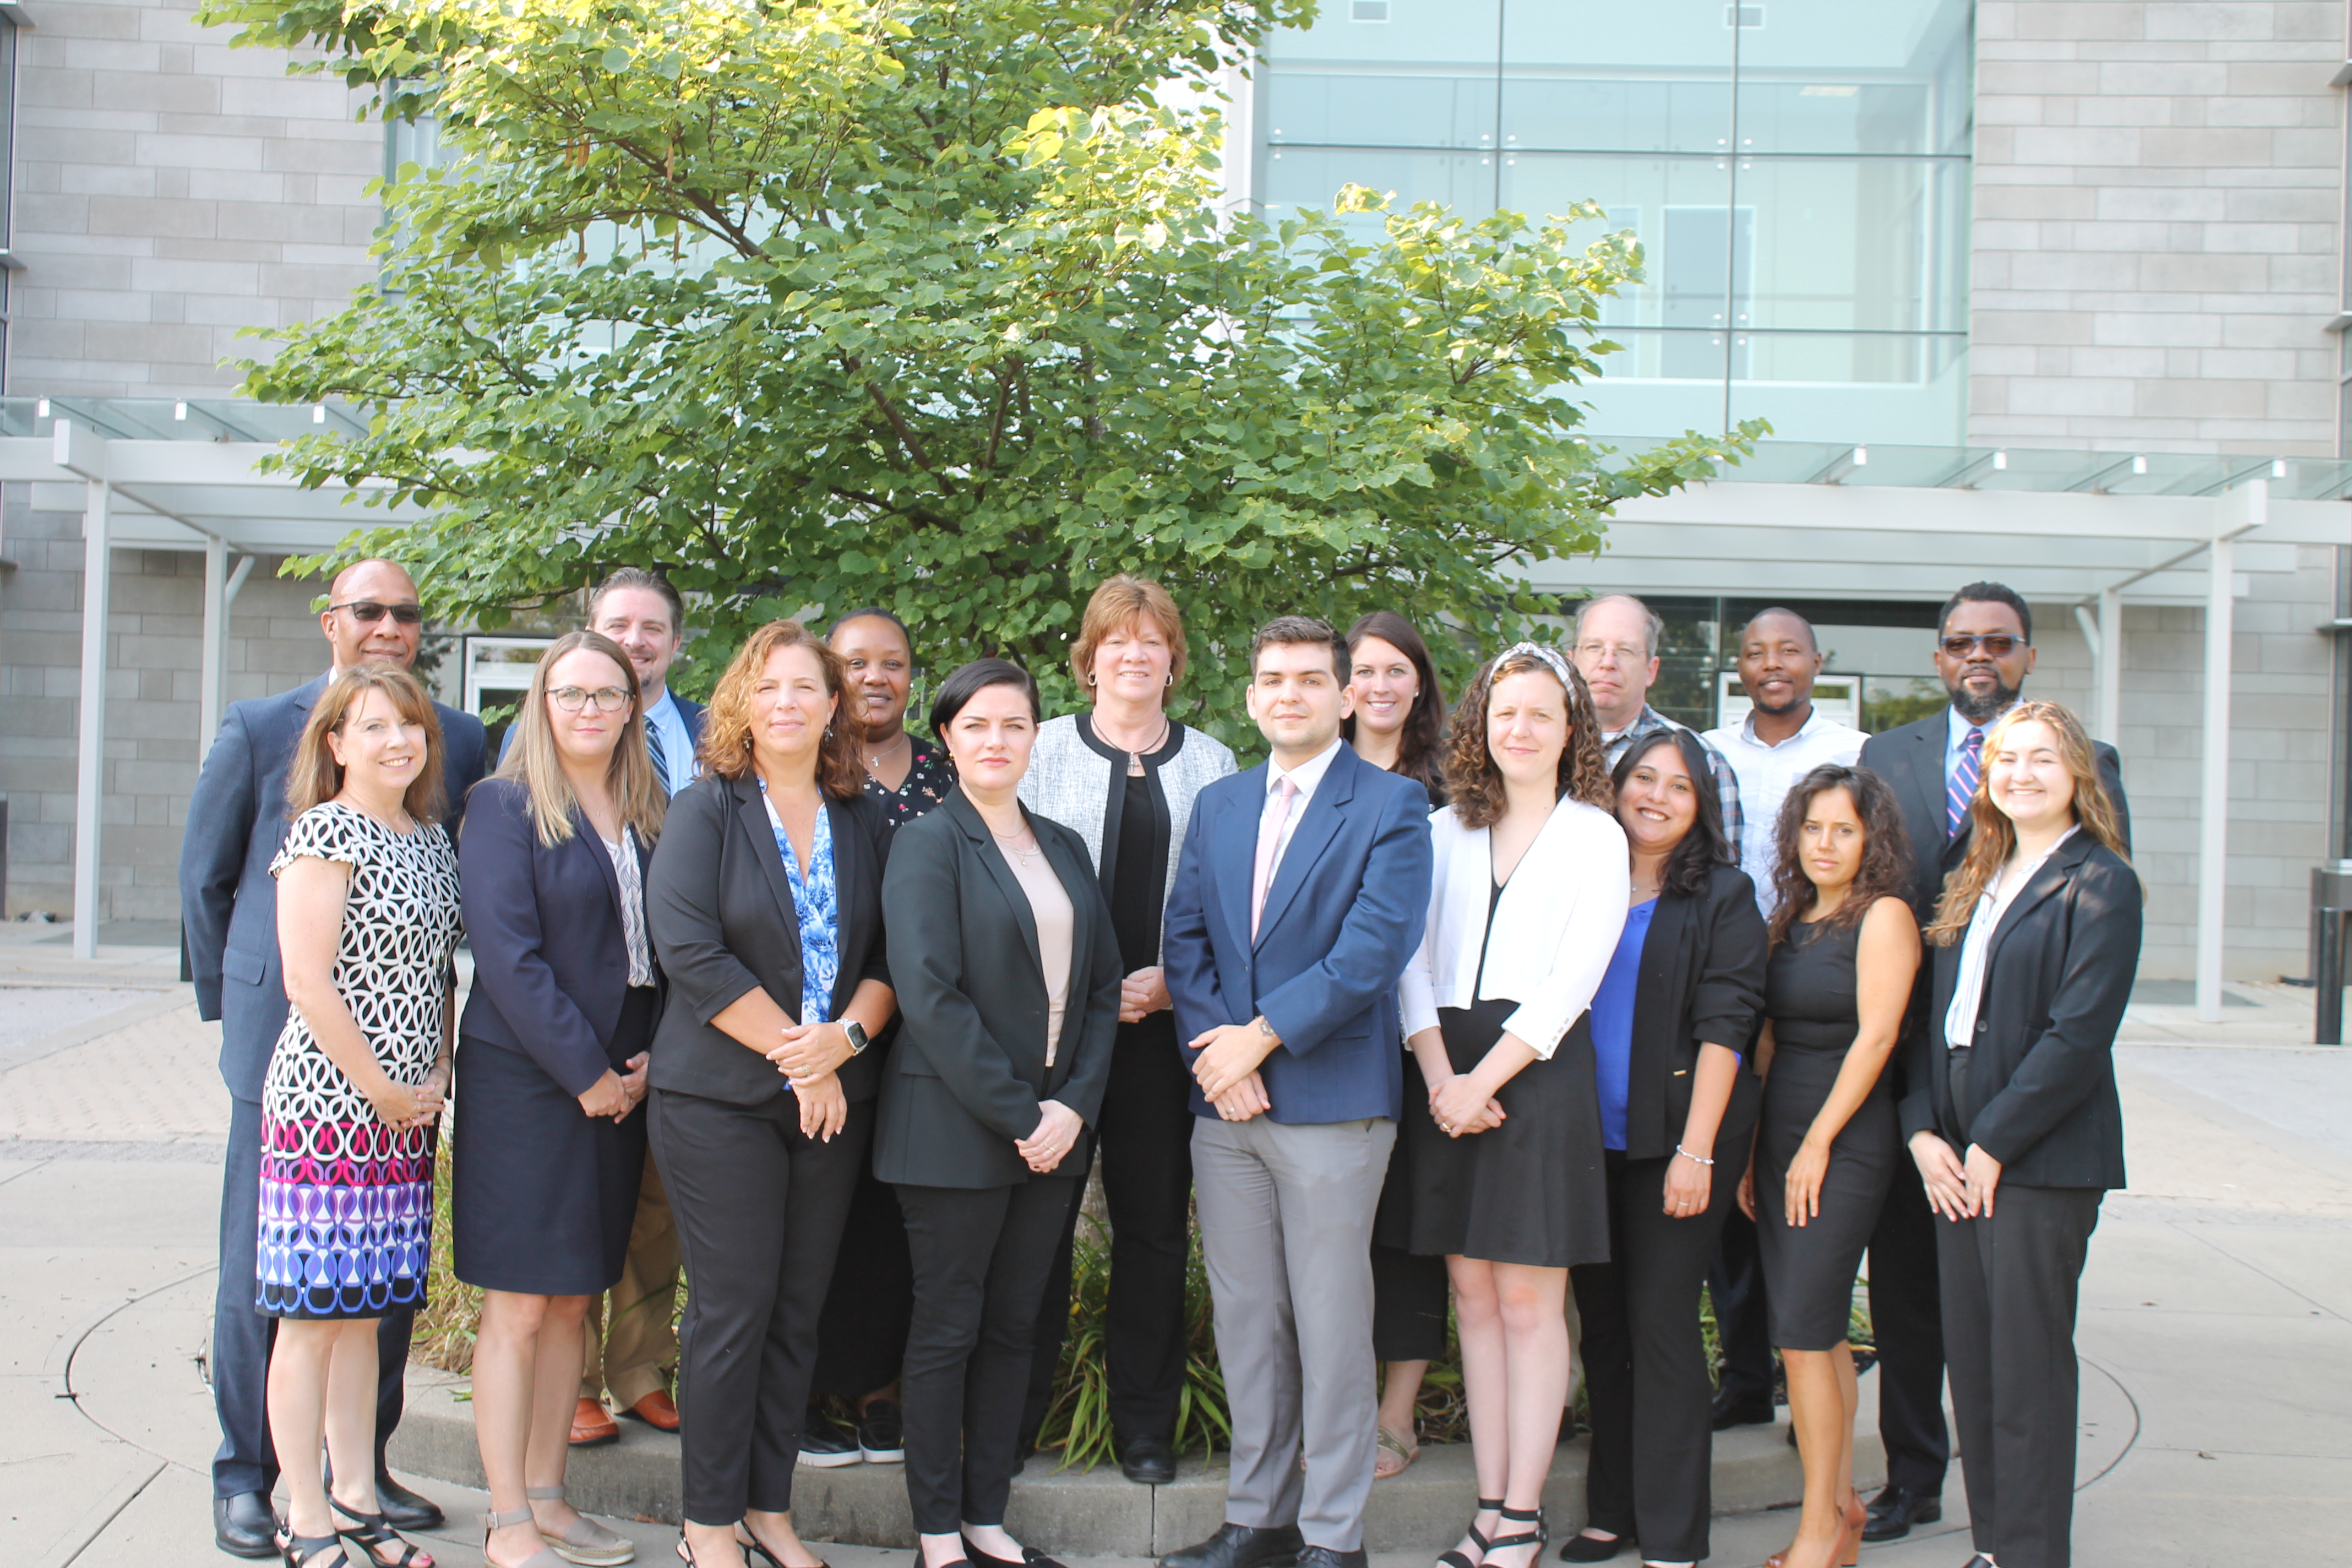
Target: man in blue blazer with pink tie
{"x":1301,"y":893}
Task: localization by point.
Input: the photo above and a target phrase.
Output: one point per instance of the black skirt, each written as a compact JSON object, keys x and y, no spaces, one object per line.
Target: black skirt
{"x":1809,"y":1270}
{"x":541,"y":1196}
{"x":1532,"y":1190}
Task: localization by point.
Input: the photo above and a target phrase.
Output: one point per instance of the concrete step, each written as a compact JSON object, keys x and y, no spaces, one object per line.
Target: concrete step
{"x":1097,"y":1512}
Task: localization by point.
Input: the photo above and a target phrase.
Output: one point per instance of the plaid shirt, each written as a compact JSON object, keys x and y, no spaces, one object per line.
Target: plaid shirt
{"x":1727,"y":783}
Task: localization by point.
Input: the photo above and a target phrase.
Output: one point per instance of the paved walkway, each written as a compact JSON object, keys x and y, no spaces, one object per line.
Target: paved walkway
{"x":2217,"y":1322}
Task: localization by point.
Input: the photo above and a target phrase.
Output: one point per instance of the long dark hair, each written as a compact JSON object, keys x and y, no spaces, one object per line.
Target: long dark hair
{"x":1703,"y":846}
{"x":1420,"y":748}
{"x":1886,"y":868}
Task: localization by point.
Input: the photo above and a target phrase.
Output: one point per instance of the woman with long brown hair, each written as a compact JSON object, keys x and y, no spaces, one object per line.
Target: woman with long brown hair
{"x":1844,"y":949}
{"x":1528,"y":899}
{"x":765,"y":905}
{"x":2013,"y":1115}
{"x":549,"y":1155}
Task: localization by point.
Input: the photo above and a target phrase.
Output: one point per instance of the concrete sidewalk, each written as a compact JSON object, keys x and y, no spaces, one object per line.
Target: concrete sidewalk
{"x":2216,"y":1336}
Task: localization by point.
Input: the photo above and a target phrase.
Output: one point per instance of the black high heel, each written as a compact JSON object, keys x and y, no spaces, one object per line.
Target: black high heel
{"x":1583,"y":1548}
{"x":1454,"y":1559}
{"x":374,"y":1533}
{"x":299,"y":1551}
{"x":1536,"y":1538}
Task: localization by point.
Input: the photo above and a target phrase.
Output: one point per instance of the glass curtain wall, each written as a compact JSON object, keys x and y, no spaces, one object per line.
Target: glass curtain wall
{"x":1797,"y":173}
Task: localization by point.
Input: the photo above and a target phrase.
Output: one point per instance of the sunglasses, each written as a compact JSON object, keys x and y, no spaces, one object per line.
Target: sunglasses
{"x":1997,"y":645}
{"x":367,"y":612}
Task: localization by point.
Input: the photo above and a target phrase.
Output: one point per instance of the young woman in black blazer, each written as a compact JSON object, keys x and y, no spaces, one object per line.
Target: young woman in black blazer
{"x":552,"y":1065}
{"x":1671,"y":1021}
{"x":765,"y":905}
{"x":1009,"y":974}
{"x":2012,"y":1114}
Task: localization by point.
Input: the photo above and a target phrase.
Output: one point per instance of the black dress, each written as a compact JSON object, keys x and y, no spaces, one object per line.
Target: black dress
{"x":1410,"y":1291}
{"x":1532,"y":1190}
{"x":1809,"y":1270}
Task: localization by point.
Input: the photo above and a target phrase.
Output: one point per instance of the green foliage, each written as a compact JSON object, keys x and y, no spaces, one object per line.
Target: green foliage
{"x":928,"y":303}
{"x":1078,"y":1422}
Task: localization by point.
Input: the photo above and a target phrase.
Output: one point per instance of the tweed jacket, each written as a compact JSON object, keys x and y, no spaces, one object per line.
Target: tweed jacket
{"x":1070,"y":778}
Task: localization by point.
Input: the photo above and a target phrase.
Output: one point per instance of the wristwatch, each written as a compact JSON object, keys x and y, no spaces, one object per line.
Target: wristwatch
{"x":857,"y":1040}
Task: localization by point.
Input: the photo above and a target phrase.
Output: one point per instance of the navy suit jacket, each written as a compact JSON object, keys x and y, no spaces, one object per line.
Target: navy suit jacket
{"x":1342,"y":918}
{"x":550,"y":954}
{"x":690,"y":711}
{"x":228,"y":900}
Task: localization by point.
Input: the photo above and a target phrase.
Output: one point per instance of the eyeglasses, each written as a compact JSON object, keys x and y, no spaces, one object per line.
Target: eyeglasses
{"x":1624,"y":655}
{"x":604,"y":698}
{"x":367,"y":612}
{"x":1997,"y":645}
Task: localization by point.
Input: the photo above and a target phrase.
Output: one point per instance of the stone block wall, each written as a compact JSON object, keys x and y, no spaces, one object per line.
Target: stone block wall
{"x":2158,"y":189}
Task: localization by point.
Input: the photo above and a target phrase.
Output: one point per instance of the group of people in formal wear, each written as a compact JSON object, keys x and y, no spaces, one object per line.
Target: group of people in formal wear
{"x":1539,"y":1009}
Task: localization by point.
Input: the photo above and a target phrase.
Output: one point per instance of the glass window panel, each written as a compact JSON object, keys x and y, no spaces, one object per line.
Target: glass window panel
{"x":8,"y":125}
{"x":1424,"y":78}
{"x":1871,"y":389}
{"x":1856,"y":76}
{"x":1660,"y":383}
{"x":1675,"y":207}
{"x":1310,"y":176}
{"x":1854,"y":244}
{"x":1602,"y":75}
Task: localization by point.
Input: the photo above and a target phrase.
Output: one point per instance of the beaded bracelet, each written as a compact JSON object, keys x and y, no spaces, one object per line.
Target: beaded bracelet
{"x":1694,"y":1159}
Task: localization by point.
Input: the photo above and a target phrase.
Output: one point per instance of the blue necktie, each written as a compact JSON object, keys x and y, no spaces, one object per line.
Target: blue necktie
{"x":1962,"y":787}
{"x":661,"y":764}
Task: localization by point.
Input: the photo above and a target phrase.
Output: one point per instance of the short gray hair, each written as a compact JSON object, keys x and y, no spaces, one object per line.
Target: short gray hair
{"x":1652,"y":623}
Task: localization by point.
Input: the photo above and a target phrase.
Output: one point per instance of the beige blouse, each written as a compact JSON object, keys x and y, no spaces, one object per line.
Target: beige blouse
{"x":1057,"y":929}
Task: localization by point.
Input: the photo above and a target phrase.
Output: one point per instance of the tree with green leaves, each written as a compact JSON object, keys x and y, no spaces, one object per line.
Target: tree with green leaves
{"x":929,"y":304}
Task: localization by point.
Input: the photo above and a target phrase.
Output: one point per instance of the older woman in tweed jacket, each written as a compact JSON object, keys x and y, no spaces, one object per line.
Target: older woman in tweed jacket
{"x":1124,"y":777}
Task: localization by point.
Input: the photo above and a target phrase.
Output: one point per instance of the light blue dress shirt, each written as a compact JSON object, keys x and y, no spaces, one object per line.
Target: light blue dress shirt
{"x":665,"y":727}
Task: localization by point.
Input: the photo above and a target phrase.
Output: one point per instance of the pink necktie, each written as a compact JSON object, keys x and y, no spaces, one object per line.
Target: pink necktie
{"x":1269,"y":839}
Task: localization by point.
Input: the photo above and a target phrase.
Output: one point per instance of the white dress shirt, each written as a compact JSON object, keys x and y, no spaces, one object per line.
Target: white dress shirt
{"x":1968,"y":990}
{"x":666,"y":729}
{"x":1305,"y":777}
{"x":1767,"y":772}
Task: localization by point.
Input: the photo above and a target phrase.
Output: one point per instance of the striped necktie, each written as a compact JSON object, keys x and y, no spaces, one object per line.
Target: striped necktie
{"x":1962,"y":787}
{"x":661,"y":764}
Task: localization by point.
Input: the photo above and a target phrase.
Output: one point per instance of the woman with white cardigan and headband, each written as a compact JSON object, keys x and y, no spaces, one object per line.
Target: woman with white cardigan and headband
{"x":1530,"y":895}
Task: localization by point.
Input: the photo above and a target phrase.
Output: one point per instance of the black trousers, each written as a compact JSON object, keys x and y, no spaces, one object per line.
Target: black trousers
{"x":2010,"y":1281}
{"x":861,"y":1337}
{"x":1410,"y":1296}
{"x":1146,"y":1149}
{"x":981,"y":1254}
{"x":1646,"y":1361}
{"x":760,"y":1208}
{"x":246,"y":1461}
{"x":1743,"y":1324}
{"x":1908,"y":1318}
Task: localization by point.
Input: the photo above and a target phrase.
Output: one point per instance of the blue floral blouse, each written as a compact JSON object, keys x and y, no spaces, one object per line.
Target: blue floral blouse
{"x":817,"y":905}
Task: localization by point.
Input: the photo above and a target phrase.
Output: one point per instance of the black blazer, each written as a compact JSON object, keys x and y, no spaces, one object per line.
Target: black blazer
{"x":550,"y":955}
{"x":2055,"y":987}
{"x":718,"y":906}
{"x":1701,"y":980}
{"x":965,"y":1078}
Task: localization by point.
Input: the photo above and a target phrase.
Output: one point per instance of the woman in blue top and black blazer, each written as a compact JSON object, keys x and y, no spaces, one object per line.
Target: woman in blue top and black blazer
{"x":2013,"y":1115}
{"x":765,"y":905}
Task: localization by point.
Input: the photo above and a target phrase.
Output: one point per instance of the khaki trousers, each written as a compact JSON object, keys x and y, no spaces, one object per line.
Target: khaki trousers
{"x":632,"y":1354}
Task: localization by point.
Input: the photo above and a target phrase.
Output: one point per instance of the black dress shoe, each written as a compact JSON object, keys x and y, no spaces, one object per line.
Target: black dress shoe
{"x":1241,"y":1546}
{"x":1895,"y":1510}
{"x":404,"y":1510}
{"x":1747,"y":1410}
{"x":244,"y":1526}
{"x":1583,"y":1548}
{"x":1148,"y":1461}
{"x":1030,"y":1558}
{"x":1332,"y":1557}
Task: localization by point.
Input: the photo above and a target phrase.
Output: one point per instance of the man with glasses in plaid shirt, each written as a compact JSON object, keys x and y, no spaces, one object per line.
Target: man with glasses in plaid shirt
{"x":1617,"y":653}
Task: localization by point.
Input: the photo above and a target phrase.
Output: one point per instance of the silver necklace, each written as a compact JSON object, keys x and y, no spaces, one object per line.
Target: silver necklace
{"x":906,"y":742}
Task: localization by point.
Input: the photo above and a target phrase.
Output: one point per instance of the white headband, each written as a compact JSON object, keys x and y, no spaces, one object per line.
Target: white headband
{"x":1549,"y":656}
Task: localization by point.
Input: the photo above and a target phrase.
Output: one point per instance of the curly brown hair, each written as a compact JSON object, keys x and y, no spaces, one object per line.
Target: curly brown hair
{"x":1474,"y":781}
{"x":725,"y":749}
{"x":1885,"y":869}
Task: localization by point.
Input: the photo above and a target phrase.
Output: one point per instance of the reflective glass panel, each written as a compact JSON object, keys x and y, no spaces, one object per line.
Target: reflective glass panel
{"x":1658,"y":382}
{"x":1603,"y":76}
{"x":1425,"y":76}
{"x":1882,"y":389}
{"x":1674,"y":206}
{"x":1887,"y":77}
{"x":1855,"y":244}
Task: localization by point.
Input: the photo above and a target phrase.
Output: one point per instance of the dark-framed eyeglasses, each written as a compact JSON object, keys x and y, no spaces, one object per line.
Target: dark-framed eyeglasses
{"x":367,"y":612}
{"x":1995,"y":645}
{"x":605,"y":699}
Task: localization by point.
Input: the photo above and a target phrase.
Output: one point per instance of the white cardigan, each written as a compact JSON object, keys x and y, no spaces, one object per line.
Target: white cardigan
{"x":1555,"y":929}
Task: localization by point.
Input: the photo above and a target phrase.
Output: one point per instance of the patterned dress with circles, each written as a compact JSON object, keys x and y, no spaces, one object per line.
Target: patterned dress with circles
{"x":346,"y":1201}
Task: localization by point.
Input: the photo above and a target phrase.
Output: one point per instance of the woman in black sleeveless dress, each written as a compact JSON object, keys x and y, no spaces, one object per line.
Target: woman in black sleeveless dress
{"x":1845,"y":946}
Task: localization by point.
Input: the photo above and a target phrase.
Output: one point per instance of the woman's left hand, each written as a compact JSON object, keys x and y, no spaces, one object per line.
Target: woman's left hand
{"x":1057,"y":1135}
{"x":1803,"y":1194}
{"x":1688,"y":1187}
{"x":1461,"y":1107}
{"x":431,"y":1095}
{"x":1982,"y":1173}
{"x":824,"y":1107}
{"x":633,"y":1083}
{"x":1142,"y":994}
{"x":808,"y":1052}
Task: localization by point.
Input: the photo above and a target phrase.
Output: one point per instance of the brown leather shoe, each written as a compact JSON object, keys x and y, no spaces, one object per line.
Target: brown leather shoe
{"x":656,"y":1409}
{"x":593,"y":1425}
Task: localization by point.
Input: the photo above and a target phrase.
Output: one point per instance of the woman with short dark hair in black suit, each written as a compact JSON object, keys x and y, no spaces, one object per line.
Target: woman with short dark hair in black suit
{"x":548,"y":1155}
{"x":2037,"y":941}
{"x":765,"y":904}
{"x":1670,"y":1023}
{"x":1009,"y":972}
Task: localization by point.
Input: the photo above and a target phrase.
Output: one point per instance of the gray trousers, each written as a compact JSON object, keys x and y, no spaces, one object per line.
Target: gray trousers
{"x":1286,"y":1230}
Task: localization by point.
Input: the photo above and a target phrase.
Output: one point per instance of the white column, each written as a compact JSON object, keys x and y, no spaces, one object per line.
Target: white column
{"x":2111,"y":666}
{"x":215,"y":649}
{"x":2240,"y":509}
{"x":96,"y":580}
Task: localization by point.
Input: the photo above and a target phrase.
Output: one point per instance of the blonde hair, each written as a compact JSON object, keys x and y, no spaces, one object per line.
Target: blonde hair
{"x":726,"y":725}
{"x":536,"y":764}
{"x":314,"y":776}
{"x":1993,"y":837}
{"x":1122,"y":601}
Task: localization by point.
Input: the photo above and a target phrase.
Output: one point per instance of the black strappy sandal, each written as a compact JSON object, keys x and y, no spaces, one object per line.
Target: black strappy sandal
{"x":373,"y":1533}
{"x":303,"y":1551}
{"x":1455,"y":1559}
{"x":1537,"y":1537}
